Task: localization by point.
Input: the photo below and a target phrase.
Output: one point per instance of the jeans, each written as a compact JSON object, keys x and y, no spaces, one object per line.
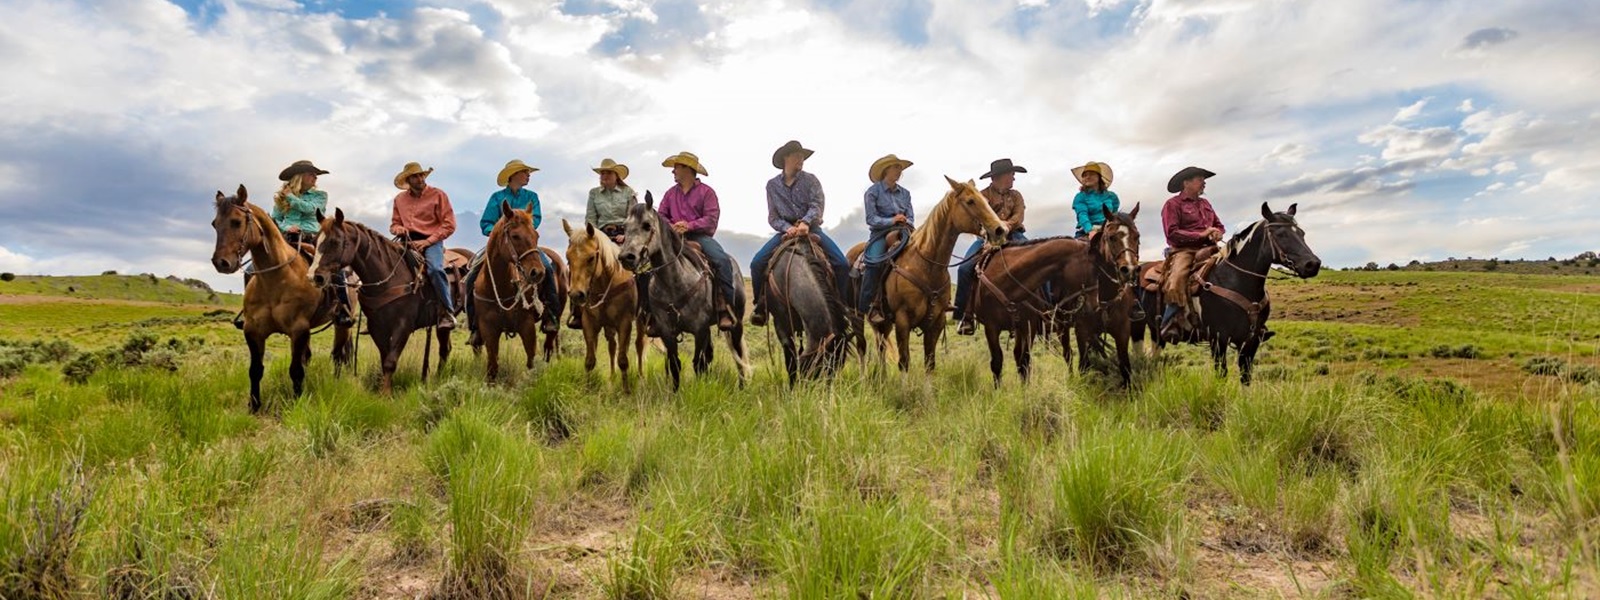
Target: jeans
{"x":872,"y":275}
{"x":763,"y":262}
{"x":547,"y":291}
{"x":967,"y":274}
{"x":720,"y":263}
{"x":435,"y":257}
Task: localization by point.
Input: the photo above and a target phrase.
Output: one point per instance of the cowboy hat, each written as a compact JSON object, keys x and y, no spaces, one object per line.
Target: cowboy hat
{"x":615,"y":167}
{"x":1097,"y":167}
{"x":875,"y":172}
{"x":785,"y":150}
{"x":1176,"y":183}
{"x":511,"y":168}
{"x":299,"y":166}
{"x":686,"y":159}
{"x":411,"y":169}
{"x":1001,"y":167}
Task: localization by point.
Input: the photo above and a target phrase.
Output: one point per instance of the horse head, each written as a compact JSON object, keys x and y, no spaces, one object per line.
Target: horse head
{"x":583,"y":258}
{"x":645,"y":235}
{"x":237,"y":231}
{"x":975,"y":215}
{"x":1118,"y":242}
{"x":336,"y":248}
{"x":514,"y":241}
{"x":1288,"y":242}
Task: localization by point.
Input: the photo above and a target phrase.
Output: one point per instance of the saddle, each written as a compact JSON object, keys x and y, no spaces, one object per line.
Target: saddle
{"x":893,"y":239}
{"x":1205,"y":259}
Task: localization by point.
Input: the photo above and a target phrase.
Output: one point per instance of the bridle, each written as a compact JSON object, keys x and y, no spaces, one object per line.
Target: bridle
{"x":261,"y":238}
{"x":1272,"y":242}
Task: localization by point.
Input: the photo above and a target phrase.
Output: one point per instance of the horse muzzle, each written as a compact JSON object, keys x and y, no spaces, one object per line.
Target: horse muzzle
{"x":225,"y":266}
{"x":1311,"y":268}
{"x":578,"y":296}
{"x":629,"y":260}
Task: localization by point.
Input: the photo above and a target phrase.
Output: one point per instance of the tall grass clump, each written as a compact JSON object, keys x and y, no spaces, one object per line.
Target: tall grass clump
{"x":278,"y":560}
{"x":153,"y":550}
{"x":846,"y":547}
{"x":40,"y":527}
{"x":328,"y":420}
{"x":1116,"y":502}
{"x":1308,"y":427}
{"x":491,"y":477}
{"x":1189,"y":398}
{"x":1399,"y":508}
{"x":648,"y":570}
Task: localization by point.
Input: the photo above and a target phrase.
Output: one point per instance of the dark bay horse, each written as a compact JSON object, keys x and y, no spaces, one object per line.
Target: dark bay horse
{"x":917,"y":287}
{"x":278,"y":299}
{"x":396,"y":298}
{"x":605,"y":296}
{"x":1010,"y":296}
{"x":803,"y":301}
{"x":1233,"y":299}
{"x":1115,"y":249}
{"x":681,"y":288}
{"x":506,"y":297}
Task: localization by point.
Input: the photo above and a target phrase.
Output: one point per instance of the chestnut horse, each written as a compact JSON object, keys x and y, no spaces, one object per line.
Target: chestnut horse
{"x":396,"y":298}
{"x":917,"y":288}
{"x":506,"y":296}
{"x":278,"y":299}
{"x":605,"y":297}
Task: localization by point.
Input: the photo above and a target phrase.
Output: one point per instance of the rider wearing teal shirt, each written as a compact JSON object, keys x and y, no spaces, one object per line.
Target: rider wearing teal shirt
{"x":514,"y":178}
{"x":300,"y":211}
{"x":522,"y":199}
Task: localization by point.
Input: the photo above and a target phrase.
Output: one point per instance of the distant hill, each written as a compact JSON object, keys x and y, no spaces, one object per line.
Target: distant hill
{"x":111,"y":286}
{"x":1587,"y":263}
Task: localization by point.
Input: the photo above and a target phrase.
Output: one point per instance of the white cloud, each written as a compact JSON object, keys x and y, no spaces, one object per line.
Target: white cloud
{"x":1410,"y":112}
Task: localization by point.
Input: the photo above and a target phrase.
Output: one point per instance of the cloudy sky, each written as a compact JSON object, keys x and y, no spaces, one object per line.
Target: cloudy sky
{"x":1404,"y":129}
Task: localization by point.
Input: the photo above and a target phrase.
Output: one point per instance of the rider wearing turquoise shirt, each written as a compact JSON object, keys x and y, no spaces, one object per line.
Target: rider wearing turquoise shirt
{"x":1093,"y":198}
{"x":513,"y":179}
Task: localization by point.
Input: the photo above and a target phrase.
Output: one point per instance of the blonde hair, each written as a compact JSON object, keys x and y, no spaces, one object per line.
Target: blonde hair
{"x":294,"y":186}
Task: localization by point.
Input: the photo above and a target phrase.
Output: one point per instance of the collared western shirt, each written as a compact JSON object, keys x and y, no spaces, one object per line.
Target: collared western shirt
{"x":1185,"y":221}
{"x":609,"y":207}
{"x":1007,"y":205}
{"x":788,"y":204}
{"x":698,"y":207}
{"x":428,"y":214}
{"x":883,"y":204}
{"x":523,"y":199}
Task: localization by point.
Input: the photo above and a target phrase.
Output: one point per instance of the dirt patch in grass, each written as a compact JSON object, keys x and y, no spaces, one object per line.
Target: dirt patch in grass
{"x":578,"y":540}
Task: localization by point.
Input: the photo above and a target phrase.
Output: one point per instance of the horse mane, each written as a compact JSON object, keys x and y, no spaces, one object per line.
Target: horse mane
{"x":922,"y":235}
{"x":1236,"y":243}
{"x":1034,"y":241}
{"x":606,"y":250}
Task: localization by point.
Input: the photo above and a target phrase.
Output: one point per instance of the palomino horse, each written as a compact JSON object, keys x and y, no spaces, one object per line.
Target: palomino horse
{"x":278,"y":299}
{"x":605,"y":297}
{"x":917,"y":288}
{"x":1234,"y":304}
{"x":681,"y":288}
{"x":1089,"y":285}
{"x":506,"y":296}
{"x":396,"y":299}
{"x":802,"y":300}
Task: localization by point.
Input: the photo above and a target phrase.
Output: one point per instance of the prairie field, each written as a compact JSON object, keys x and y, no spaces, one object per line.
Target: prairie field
{"x":1409,"y":434}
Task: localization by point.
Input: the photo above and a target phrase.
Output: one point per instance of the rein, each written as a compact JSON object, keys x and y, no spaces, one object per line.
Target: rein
{"x":519,"y":296}
{"x":262,"y":234}
{"x":1252,"y":309}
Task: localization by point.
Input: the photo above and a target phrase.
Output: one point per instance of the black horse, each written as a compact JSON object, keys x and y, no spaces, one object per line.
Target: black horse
{"x":1234,"y":304}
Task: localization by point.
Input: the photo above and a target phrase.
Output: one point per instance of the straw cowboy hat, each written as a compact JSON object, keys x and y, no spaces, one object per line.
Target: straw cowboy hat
{"x":411,"y":169}
{"x":299,"y":166}
{"x":786,"y":149}
{"x":1001,"y":167}
{"x":1093,"y":167}
{"x":512,"y":168}
{"x":686,"y":159}
{"x":875,"y":172}
{"x":615,"y":167}
{"x":1176,"y":183}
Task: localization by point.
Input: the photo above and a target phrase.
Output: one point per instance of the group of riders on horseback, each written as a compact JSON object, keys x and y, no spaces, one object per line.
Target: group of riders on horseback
{"x":422,"y":219}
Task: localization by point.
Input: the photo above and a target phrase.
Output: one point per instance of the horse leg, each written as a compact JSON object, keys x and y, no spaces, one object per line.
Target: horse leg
{"x":674,"y":362}
{"x":391,"y":359}
{"x":1219,"y":354}
{"x":786,"y":340}
{"x":342,"y":349}
{"x":702,"y":351}
{"x":1022,"y":347}
{"x":258,"y":349}
{"x":902,"y":342}
{"x":997,"y":357}
{"x":1247,"y":359}
{"x":741,"y":357}
{"x":300,"y":346}
{"x":444,"y":348}
{"x":1120,"y":333}
{"x":490,"y":335}
{"x":591,"y":337}
{"x":930,"y":341}
{"x":530,"y":342}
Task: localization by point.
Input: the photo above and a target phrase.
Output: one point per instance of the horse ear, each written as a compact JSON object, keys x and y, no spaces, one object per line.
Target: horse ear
{"x":320,"y":216}
{"x":338,"y":217}
{"x":243,"y":194}
{"x":567,"y":227}
{"x":954,"y":185}
{"x":1110,"y":214}
{"x":220,"y":196}
{"x":1134,"y":214}
{"x":649,"y":200}
{"x":1266,"y":212}
{"x":505,"y":209}
{"x":1291,"y":208}
{"x":588,"y":228}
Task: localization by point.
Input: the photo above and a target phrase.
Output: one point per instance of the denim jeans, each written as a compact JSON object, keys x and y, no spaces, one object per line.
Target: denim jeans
{"x":872,"y":275}
{"x":435,"y":256}
{"x":967,"y":274}
{"x":719,"y":262}
{"x":763,"y":262}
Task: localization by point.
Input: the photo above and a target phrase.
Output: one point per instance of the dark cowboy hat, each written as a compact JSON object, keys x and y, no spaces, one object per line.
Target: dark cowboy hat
{"x":299,"y":166}
{"x":1001,"y":167}
{"x":1176,"y":183}
{"x":785,"y":150}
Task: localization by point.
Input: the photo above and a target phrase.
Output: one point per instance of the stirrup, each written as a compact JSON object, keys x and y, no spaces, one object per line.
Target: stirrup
{"x":967,"y":327}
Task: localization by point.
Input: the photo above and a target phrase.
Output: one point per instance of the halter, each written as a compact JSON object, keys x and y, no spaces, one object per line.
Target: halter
{"x":520,"y":278}
{"x":1127,"y":255}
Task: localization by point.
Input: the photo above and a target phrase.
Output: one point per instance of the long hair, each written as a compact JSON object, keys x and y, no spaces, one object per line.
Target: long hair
{"x":1099,"y":186}
{"x":294,"y":186}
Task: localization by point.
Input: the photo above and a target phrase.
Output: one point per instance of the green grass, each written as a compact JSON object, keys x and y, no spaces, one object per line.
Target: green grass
{"x":142,"y":288}
{"x":1371,"y":479}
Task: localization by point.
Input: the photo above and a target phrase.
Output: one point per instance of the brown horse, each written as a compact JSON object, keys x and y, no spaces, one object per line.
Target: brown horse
{"x":396,"y":298}
{"x":604,"y":295}
{"x":1115,"y":249}
{"x":506,"y":297}
{"x":1010,"y":296}
{"x":277,"y":299}
{"x":917,"y":288}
